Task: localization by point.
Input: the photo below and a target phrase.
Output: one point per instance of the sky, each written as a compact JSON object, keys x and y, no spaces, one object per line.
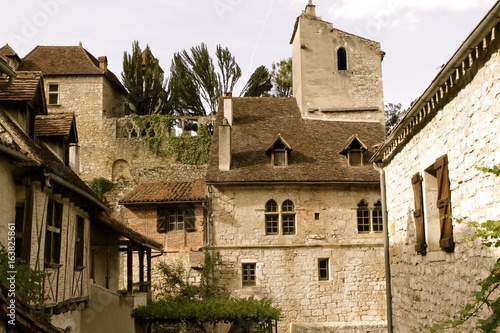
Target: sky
{"x":418,"y":37}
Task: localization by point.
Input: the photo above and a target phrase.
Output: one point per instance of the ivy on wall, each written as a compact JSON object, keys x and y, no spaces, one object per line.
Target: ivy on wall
{"x":192,"y":150}
{"x":100,"y":186}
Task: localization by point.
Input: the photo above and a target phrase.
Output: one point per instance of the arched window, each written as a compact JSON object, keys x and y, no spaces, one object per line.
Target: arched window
{"x":288,"y":217}
{"x":378,"y":225}
{"x":363,"y":217}
{"x":271,"y":218}
{"x":341,"y":59}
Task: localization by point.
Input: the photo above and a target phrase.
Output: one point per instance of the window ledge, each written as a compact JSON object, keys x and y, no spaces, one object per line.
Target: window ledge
{"x":52,"y":265}
{"x":371,"y":235}
{"x":436,"y":256}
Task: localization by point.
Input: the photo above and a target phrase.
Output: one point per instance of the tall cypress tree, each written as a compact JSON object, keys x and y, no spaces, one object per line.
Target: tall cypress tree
{"x":144,"y":80}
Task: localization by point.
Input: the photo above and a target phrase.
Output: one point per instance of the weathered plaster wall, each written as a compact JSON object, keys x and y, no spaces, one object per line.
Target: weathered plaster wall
{"x":431,"y":288}
{"x":287,"y":265}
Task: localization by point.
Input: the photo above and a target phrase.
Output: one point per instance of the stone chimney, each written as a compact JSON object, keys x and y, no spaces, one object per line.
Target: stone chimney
{"x":310,"y":9}
{"x":103,"y":63}
{"x":225,"y":145}
{"x":228,"y":107}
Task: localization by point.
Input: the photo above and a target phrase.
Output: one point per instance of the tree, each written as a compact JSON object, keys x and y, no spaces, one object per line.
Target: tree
{"x":486,"y":301}
{"x":189,"y":306}
{"x":392,"y":113}
{"x":195,"y":81}
{"x":281,"y":77}
{"x":259,"y":83}
{"x":144,"y":80}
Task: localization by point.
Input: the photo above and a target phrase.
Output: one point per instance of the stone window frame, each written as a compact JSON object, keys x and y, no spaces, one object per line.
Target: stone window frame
{"x":248,"y":274}
{"x":280,"y":218}
{"x":323,"y":269}
{"x":175,"y":218}
{"x":341,"y":59}
{"x":369,"y":218}
{"x":51,"y":94}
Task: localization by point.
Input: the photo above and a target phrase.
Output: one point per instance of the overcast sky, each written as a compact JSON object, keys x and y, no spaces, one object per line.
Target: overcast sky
{"x":417,"y":36}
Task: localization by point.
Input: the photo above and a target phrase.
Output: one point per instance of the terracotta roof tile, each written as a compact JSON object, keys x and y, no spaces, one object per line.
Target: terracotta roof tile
{"x":164,"y":192}
{"x":315,"y":144}
{"x":56,"y":124}
{"x":23,"y":88}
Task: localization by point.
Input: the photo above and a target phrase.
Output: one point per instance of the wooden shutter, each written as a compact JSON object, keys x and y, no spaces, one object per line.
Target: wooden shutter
{"x":444,"y":204}
{"x":418,"y":214}
{"x":189,"y":219}
{"x":162,"y":219}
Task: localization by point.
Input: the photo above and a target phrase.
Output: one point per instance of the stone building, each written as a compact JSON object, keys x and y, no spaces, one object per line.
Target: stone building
{"x":294,"y":206}
{"x":430,"y":163}
{"x":51,"y":219}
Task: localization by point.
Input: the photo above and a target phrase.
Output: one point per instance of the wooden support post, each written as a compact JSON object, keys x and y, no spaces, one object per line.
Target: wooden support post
{"x":130,"y":273}
{"x":142,"y":287}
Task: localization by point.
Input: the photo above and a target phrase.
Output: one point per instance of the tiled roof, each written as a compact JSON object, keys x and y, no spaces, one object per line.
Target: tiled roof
{"x":7,"y":51}
{"x":40,"y":154}
{"x":315,"y":144}
{"x":24,"y":87}
{"x":56,"y":124}
{"x":65,"y":60}
{"x":164,"y":192}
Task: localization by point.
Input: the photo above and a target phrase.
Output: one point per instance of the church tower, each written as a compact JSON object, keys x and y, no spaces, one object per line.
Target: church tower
{"x":336,"y":75}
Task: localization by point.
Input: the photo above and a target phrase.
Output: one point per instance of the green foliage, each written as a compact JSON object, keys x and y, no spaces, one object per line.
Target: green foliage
{"x":194,"y":79}
{"x":100,"y":186}
{"x":144,"y":80}
{"x":486,"y":300}
{"x":28,"y":282}
{"x":153,"y":129}
{"x":259,"y":84}
{"x":203,"y":303}
{"x":281,"y":77}
{"x":192,"y":150}
{"x":392,"y":114}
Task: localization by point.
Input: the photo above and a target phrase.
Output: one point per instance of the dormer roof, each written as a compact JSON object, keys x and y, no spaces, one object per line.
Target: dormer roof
{"x":57,"y":124}
{"x":279,"y":143}
{"x":353,"y":143}
{"x":26,"y":87}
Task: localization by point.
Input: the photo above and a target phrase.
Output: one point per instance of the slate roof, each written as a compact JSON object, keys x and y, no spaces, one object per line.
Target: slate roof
{"x":24,"y":87}
{"x":316,"y":145}
{"x":165,"y":192}
{"x":66,"y":60}
{"x":56,"y":124}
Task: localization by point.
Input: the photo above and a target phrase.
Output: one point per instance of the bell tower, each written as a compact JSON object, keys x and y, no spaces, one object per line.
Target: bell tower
{"x":336,"y":75}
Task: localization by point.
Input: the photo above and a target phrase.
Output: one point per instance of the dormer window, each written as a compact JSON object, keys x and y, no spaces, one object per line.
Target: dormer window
{"x":279,"y":152}
{"x":354,"y":151}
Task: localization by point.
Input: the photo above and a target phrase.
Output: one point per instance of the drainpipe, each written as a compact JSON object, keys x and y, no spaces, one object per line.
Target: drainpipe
{"x":4,"y":68}
{"x":388,"y":290}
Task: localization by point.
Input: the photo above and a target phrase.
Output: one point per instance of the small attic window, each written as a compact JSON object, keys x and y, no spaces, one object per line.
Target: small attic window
{"x":279,"y":152}
{"x":354,"y":150}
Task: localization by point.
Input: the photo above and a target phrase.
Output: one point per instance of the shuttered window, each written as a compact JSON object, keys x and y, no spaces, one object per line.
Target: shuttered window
{"x":443,"y":204}
{"x":418,"y":214}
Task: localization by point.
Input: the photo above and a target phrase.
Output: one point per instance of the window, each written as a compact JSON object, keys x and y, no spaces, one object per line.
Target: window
{"x":324,"y":269}
{"x":369,"y":220}
{"x":273,"y":217}
{"x":279,"y":152}
{"x":341,"y":59}
{"x":53,"y":93}
{"x":248,"y":274}
{"x":175,"y":219}
{"x":437,"y":215}
{"x":354,"y":151}
{"x":288,"y":218}
{"x":79,"y":242}
{"x":53,"y":232}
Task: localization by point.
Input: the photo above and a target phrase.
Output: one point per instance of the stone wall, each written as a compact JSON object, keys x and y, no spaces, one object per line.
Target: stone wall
{"x":428,"y":289}
{"x":287,"y":265}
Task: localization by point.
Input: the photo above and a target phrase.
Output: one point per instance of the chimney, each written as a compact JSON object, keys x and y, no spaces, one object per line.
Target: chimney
{"x":311,"y":9}
{"x":225,"y":145}
{"x":228,"y":107}
{"x":103,"y":63}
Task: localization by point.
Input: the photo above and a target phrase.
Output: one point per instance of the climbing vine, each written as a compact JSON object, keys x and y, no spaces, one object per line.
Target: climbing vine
{"x":153,"y":128}
{"x":192,"y":150}
{"x":100,"y":186}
